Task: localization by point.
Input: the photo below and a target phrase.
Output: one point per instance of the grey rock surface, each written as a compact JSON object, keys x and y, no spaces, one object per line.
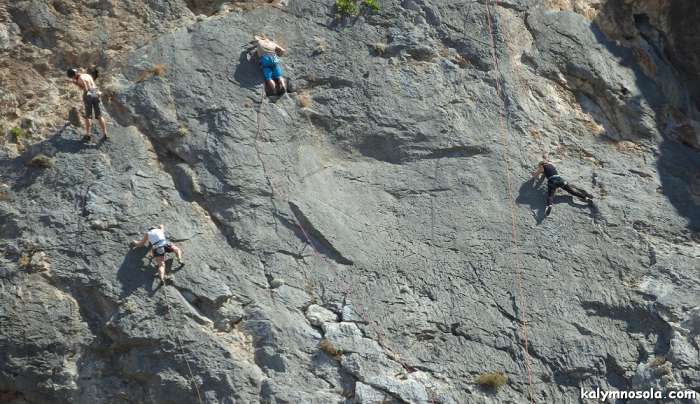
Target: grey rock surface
{"x":352,"y":242}
{"x":318,"y":315}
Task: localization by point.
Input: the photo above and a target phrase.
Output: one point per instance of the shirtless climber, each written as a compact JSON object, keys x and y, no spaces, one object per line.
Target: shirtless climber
{"x":268,"y":51}
{"x":555,"y":181}
{"x":91,"y":101}
{"x":159,"y":246}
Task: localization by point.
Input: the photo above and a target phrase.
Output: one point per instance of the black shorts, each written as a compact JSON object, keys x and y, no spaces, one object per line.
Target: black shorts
{"x":555,"y":182}
{"x":161,"y":250}
{"x":92,"y":105}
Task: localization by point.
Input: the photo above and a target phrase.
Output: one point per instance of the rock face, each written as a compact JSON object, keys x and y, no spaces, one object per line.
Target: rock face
{"x":354,"y":241}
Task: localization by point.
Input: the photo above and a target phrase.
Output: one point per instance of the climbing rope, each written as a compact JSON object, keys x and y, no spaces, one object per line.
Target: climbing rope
{"x":182,"y":349}
{"x":511,"y":203}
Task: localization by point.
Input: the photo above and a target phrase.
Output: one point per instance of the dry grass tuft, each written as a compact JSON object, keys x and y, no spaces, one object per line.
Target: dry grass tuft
{"x":320,"y":45}
{"x":380,"y":48}
{"x":492,"y":380}
{"x":625,"y":146}
{"x":658,"y":361}
{"x":24,"y":261}
{"x":40,"y":161}
{"x":158,"y":70}
{"x":328,"y":348}
{"x":304,"y":100}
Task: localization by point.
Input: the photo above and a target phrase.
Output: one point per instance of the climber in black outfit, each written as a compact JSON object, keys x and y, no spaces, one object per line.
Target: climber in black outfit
{"x":555,"y":181}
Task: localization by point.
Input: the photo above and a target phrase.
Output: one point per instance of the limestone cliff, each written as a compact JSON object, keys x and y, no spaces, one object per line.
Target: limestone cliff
{"x":374,"y":236}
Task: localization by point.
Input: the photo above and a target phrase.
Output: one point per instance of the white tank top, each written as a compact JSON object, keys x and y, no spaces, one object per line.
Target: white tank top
{"x":155,"y":236}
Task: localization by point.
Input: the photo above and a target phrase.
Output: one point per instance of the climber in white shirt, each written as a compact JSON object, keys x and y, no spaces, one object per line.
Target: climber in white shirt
{"x":160,"y":245}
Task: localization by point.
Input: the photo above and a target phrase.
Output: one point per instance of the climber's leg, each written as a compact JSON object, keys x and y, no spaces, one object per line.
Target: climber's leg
{"x":88,"y":130}
{"x":87,"y":116}
{"x":178,"y":252}
{"x":552,"y":184}
{"x":97,"y":107}
{"x":270,"y":86}
{"x":578,"y":192}
{"x":160,"y":264}
{"x":277,"y":75}
{"x":103,"y":125}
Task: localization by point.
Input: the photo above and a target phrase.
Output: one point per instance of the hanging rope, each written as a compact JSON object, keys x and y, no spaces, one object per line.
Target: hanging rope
{"x":511,"y":203}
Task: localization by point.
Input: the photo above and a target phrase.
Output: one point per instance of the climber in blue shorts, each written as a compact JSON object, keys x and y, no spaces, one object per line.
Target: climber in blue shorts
{"x":268,"y":52}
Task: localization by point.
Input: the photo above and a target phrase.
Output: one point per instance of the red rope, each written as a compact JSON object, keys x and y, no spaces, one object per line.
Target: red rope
{"x":511,"y":203}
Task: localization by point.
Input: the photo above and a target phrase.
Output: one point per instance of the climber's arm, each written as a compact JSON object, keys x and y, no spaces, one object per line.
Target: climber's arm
{"x":141,"y":243}
{"x":538,"y":171}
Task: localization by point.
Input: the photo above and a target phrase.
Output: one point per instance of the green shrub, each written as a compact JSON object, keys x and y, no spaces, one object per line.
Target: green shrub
{"x":17,"y":133}
{"x":347,"y":7}
{"x":492,"y":380}
{"x":371,"y":4}
{"x":355,"y":7}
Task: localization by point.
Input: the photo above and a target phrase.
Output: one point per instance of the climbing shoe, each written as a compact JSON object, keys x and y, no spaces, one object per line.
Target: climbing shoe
{"x":548,"y":210}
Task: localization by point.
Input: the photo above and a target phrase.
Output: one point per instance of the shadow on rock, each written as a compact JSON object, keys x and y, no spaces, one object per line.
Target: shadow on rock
{"x":132,"y":274}
{"x":532,"y":195}
{"x":247,"y":72}
{"x":678,"y":164}
{"x":679,"y":172}
{"x":65,"y":140}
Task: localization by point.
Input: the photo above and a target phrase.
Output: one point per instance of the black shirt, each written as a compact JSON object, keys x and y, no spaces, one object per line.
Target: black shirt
{"x":549,"y":170}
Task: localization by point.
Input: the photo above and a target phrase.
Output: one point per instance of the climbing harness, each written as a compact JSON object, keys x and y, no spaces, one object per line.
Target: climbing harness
{"x":514,"y":224}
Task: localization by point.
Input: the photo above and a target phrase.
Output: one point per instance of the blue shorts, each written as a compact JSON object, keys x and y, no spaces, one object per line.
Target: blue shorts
{"x":270,"y":67}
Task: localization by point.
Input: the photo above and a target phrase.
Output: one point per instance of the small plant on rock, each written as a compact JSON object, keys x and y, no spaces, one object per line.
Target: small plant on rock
{"x":17,"y":134}
{"x":349,"y":8}
{"x":304,"y":100}
{"x":157,"y":70}
{"x":24,"y":260}
{"x":41,"y":161}
{"x":321,"y":45}
{"x":380,"y":48}
{"x":371,"y":4}
{"x":183,"y":131}
{"x":328,"y":348}
{"x":492,"y":380}
{"x":658,"y":361}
